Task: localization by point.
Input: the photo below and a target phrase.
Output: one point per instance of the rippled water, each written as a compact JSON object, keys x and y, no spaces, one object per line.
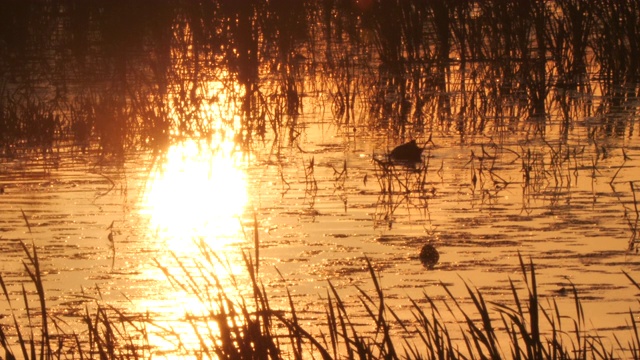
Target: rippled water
{"x":553,"y":178}
{"x":321,"y":211}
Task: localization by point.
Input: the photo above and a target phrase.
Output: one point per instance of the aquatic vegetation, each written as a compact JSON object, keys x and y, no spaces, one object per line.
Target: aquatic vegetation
{"x":547,"y":87}
{"x":244,"y":325}
{"x":458,"y":67}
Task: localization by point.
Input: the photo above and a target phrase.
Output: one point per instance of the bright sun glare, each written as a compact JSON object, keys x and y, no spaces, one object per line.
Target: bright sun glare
{"x":197,"y":192}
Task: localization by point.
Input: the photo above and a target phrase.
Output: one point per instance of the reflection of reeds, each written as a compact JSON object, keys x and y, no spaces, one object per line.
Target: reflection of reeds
{"x":310,"y":182}
{"x":404,"y":66}
{"x":111,"y":334}
{"x":400,"y":182}
{"x":633,"y":219}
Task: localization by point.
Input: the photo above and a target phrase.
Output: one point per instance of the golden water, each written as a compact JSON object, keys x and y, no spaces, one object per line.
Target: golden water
{"x":569,"y":220}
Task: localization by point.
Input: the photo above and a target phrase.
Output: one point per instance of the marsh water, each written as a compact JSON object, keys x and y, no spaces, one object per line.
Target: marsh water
{"x":282,"y":166}
{"x":321,"y":227}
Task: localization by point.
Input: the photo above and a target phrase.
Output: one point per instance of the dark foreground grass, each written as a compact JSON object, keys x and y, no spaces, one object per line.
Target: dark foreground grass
{"x":234,"y":326}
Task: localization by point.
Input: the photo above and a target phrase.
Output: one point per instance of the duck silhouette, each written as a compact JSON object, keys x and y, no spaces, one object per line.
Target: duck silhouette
{"x":429,"y":256}
{"x":409,"y":152}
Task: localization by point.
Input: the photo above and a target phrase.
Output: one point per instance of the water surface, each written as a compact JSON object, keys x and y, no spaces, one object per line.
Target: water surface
{"x":105,"y":231}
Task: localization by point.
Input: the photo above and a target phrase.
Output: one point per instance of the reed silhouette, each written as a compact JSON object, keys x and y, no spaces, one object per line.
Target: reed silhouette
{"x":397,"y":66}
{"x":237,"y":325}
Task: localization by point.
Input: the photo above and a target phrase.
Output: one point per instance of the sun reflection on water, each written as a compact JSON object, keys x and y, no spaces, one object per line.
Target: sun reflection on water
{"x":195,"y":199}
{"x":197,"y":192}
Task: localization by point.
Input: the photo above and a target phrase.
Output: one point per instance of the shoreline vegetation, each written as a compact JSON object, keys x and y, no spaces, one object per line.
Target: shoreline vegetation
{"x":111,"y":76}
{"x":106,"y":77}
{"x":234,"y":326}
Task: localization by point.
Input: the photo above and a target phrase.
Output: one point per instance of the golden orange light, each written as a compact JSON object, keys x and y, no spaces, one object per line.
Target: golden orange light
{"x":196,"y":192}
{"x":194,"y":200}
{"x":198,"y":189}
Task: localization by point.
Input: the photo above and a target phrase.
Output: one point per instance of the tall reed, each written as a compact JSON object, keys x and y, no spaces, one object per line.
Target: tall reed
{"x":239,"y":321}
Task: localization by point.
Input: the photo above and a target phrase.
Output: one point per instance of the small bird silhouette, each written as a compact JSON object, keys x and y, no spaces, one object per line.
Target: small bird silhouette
{"x":429,"y":256}
{"x":409,"y":152}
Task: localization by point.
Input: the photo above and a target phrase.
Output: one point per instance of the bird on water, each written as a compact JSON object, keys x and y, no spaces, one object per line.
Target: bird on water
{"x":409,"y":152}
{"x":429,"y":256}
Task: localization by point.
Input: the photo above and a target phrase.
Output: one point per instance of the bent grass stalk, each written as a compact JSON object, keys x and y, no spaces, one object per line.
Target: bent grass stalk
{"x":234,"y":328}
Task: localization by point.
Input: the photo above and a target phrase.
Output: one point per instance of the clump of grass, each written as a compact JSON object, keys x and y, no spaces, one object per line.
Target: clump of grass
{"x":110,"y":333}
{"x":238,"y":322}
{"x":522,"y":329}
